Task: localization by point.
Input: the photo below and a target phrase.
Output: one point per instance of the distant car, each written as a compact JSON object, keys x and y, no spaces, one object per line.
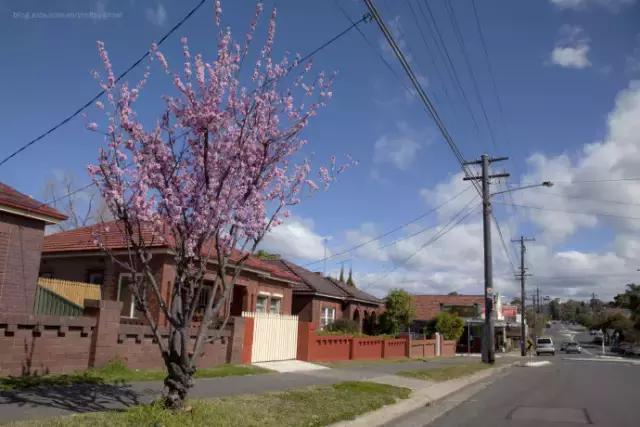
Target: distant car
{"x":573,"y":347}
{"x":597,"y":339}
{"x":593,"y":332}
{"x":548,"y":325}
{"x":545,"y":345}
{"x":563,"y":346}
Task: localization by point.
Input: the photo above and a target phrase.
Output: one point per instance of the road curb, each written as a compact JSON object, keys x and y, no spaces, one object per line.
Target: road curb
{"x":431,"y":394}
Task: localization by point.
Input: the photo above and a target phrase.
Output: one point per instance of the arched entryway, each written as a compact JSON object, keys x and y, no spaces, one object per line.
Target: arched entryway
{"x":372,"y":323}
{"x":356,"y":318}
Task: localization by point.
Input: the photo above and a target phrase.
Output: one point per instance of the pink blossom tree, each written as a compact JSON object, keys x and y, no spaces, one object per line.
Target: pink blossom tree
{"x":210,"y":178}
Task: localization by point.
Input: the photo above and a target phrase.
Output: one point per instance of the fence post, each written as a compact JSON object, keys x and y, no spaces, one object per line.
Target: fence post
{"x":438,"y":344}
{"x":247,"y":344}
{"x":105,"y":333}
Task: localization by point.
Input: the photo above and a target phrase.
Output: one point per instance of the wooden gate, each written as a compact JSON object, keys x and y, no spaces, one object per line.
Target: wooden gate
{"x":275,"y":336}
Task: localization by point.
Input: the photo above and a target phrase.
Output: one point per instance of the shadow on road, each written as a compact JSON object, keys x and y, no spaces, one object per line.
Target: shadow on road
{"x":75,"y":398}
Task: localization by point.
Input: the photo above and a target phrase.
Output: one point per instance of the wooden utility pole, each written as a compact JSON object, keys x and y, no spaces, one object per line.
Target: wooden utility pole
{"x":523,"y":297}
{"x":488,"y":335}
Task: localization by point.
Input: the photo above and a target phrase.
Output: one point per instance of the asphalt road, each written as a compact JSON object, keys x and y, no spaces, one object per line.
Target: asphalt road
{"x":572,"y":390}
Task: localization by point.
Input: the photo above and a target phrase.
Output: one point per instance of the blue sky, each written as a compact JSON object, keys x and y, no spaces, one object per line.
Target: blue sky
{"x":564,"y":70}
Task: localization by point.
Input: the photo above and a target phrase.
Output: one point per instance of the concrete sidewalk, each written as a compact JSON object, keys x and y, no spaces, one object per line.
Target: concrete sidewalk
{"x":54,"y":401}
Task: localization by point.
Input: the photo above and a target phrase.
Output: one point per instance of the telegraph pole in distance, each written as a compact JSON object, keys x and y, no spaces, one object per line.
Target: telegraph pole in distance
{"x":522,"y":275}
{"x":488,"y":335}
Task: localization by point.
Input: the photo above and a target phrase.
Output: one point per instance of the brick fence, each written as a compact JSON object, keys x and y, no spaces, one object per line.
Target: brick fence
{"x":35,"y":344}
{"x":314,"y":347}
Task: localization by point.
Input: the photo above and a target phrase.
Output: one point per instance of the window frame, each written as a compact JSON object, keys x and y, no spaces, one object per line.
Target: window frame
{"x":327,"y":320}
{"x":132,"y":309}
{"x":277,"y":298}
{"x":266,"y":303}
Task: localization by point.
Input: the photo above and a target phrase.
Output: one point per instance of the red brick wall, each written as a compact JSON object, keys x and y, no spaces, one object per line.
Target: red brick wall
{"x":42,"y":344}
{"x":422,"y":348}
{"x":448,"y":348}
{"x":395,"y":348}
{"x":428,"y":306}
{"x":20,"y":248}
{"x":367,"y":348}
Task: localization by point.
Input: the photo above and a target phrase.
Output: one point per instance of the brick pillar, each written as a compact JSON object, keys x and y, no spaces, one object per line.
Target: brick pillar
{"x":236,"y":346}
{"x":304,"y":341}
{"x":438,"y":344}
{"x":247,"y":339}
{"x":105,"y":333}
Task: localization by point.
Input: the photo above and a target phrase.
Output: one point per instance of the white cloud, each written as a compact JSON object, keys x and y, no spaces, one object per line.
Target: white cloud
{"x":295,"y":239}
{"x":612,"y":5}
{"x":157,"y":16}
{"x":398,"y":149}
{"x":454,"y":262}
{"x":571,"y":49}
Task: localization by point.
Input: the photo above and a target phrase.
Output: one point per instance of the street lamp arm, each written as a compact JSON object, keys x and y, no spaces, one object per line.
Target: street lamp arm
{"x":542,"y":184}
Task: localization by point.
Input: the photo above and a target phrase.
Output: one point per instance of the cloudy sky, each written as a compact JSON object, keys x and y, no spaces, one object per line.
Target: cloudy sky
{"x":555,"y":86}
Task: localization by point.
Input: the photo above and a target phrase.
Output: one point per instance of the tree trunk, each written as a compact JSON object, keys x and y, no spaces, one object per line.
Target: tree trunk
{"x":179,"y":372}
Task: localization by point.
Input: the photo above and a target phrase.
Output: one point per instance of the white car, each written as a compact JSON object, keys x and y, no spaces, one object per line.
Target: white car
{"x":545,"y":345}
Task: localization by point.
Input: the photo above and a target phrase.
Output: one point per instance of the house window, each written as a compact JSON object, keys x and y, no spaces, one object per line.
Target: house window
{"x":327,"y":316}
{"x":126,"y":297}
{"x":261,"y":303}
{"x":275,"y":305}
{"x":95,"y":277}
{"x":203,"y":300}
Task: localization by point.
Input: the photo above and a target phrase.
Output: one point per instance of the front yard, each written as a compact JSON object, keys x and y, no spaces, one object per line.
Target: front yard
{"x":312,"y":406}
{"x":116,"y":372}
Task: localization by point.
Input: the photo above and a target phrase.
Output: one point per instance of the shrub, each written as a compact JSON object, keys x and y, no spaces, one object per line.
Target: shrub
{"x":346,"y":326}
{"x":449,"y":325}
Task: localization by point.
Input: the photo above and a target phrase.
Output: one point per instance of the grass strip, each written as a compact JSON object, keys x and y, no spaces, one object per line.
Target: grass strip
{"x":311,"y":406}
{"x":445,"y":373}
{"x":116,"y":372}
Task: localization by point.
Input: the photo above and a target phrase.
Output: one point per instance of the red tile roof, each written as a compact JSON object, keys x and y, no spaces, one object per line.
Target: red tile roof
{"x":112,"y":236}
{"x":428,"y":306}
{"x":12,"y":198}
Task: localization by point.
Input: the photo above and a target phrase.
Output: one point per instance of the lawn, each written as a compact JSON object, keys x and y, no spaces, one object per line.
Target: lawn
{"x":312,"y":406}
{"x":445,"y":373}
{"x":117,"y":372}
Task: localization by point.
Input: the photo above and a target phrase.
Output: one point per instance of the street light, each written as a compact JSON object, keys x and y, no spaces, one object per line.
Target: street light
{"x":542,"y":184}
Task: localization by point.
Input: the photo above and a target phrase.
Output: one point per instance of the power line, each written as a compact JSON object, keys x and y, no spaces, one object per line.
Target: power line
{"x":419,"y":90}
{"x":99,"y":94}
{"x":588,"y":199}
{"x":303,"y":59}
{"x":454,"y":73}
{"x":594,"y":181}
{"x":430,"y":53}
{"x":573,"y":212}
{"x":463,"y":48}
{"x":387,"y":233}
{"x":486,"y":55}
{"x":504,"y":244}
{"x":372,"y":46}
{"x":451,"y":224}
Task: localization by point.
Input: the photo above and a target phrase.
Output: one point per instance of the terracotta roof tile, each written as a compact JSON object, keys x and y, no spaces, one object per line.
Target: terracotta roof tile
{"x":317,"y":283}
{"x":12,"y":198}
{"x":112,"y":236}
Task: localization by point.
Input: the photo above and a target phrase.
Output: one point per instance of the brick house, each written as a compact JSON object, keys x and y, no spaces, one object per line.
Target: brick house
{"x":22,"y":223}
{"x":471,"y":309}
{"x":428,"y":306}
{"x":73,"y":255}
{"x":322,"y":300}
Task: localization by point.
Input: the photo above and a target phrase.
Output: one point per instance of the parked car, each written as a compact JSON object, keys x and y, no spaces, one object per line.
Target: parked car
{"x":545,"y":345}
{"x":573,"y":347}
{"x":563,"y":346}
{"x":633,"y":351}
